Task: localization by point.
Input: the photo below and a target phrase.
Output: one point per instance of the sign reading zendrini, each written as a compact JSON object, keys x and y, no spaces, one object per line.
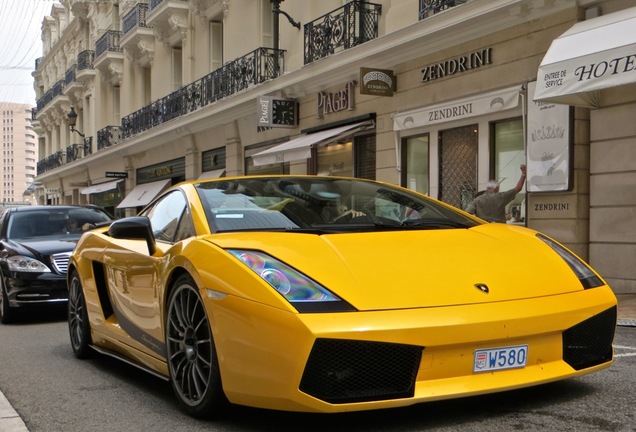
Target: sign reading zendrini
{"x":377,"y":82}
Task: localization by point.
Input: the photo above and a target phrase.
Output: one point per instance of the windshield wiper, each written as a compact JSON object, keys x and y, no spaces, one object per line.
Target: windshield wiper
{"x":434,"y":223}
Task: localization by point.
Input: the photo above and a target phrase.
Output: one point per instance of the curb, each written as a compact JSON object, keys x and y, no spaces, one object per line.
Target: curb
{"x":10,"y":421}
{"x":626,"y":322}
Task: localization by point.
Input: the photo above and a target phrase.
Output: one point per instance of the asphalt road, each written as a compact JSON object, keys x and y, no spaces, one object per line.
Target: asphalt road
{"x":53,"y":391}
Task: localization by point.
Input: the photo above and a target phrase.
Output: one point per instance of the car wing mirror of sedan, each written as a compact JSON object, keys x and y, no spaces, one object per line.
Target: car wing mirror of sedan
{"x":134,"y":228}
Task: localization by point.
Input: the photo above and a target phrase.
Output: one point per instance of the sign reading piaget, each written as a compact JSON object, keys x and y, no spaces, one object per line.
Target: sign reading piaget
{"x":337,"y":101}
{"x":377,"y":82}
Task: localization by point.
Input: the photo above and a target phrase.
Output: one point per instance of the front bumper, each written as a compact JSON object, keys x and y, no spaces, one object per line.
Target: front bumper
{"x":379,"y":359}
{"x":35,"y":289}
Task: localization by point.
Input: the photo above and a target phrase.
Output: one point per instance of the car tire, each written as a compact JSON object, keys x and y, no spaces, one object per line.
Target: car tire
{"x":78,"y":325}
{"x":7,"y":313}
{"x":191,"y":355}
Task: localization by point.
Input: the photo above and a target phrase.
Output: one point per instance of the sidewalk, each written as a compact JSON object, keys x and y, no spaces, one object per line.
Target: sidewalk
{"x":10,"y":421}
{"x":626,"y":310}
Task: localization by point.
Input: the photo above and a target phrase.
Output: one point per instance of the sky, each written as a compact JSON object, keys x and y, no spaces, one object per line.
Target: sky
{"x":20,"y":45}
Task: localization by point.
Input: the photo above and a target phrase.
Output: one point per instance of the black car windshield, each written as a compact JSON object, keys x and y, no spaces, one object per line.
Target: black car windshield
{"x":53,"y":222}
{"x":321,"y":204}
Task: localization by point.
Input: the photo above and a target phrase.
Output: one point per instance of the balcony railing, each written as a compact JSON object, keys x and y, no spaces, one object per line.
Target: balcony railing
{"x":85,"y":59}
{"x":346,"y":27}
{"x":135,"y":18}
{"x":431,"y":7}
{"x":259,"y":66}
{"x":50,"y":162}
{"x":69,"y":76}
{"x":72,"y":153}
{"x":109,"y":41}
{"x":108,"y":136}
{"x":58,"y":88}
{"x":88,"y":146}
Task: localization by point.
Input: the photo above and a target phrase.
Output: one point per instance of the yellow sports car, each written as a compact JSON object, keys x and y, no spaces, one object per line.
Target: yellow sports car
{"x":327,"y":294}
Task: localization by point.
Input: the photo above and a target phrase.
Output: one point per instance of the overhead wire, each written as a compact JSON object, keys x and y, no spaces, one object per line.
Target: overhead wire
{"x":20,"y":45}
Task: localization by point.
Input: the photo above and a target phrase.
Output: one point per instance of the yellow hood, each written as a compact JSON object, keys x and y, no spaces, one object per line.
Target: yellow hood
{"x":419,"y":268}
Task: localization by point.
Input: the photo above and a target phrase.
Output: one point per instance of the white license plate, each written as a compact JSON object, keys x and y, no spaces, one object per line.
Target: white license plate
{"x":492,"y":359}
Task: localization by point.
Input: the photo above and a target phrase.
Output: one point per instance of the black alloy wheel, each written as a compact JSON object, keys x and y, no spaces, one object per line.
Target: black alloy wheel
{"x":191,"y":355}
{"x":78,"y":325}
{"x":7,"y":314}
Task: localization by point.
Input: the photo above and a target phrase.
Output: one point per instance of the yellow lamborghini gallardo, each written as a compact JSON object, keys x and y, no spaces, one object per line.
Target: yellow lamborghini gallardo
{"x":327,"y":294}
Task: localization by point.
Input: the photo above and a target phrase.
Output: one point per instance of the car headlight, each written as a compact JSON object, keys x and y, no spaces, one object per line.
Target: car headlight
{"x":24,"y":264}
{"x":588,"y":278}
{"x":303,"y":293}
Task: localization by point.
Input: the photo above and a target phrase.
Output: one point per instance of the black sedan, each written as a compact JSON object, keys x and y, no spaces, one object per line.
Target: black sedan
{"x":35,"y":245}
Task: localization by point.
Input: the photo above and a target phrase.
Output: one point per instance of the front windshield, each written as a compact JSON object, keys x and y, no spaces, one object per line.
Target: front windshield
{"x":320,"y":203}
{"x":53,"y":223}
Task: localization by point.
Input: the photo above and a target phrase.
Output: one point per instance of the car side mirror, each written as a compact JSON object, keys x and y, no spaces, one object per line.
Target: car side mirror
{"x":134,"y":228}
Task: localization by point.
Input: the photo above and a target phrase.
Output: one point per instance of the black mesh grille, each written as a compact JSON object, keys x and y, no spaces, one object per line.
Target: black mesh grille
{"x":589,"y":343}
{"x":344,"y":371}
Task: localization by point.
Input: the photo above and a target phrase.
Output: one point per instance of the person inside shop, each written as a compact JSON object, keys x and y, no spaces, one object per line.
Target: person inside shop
{"x":491,"y":205}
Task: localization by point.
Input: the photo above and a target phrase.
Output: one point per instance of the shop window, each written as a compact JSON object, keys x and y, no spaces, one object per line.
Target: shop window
{"x":415,"y":163}
{"x":335,"y":158}
{"x":364,"y":157}
{"x":269,"y":169}
{"x":508,"y":154}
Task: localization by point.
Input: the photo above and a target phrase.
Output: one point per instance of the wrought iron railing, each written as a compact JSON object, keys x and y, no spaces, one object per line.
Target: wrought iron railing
{"x":88,"y":146}
{"x":50,"y":162}
{"x":58,"y":88}
{"x":431,"y":7}
{"x":85,"y":59}
{"x":72,"y":152}
{"x":69,"y":76}
{"x":259,"y":66}
{"x":346,"y":27}
{"x":135,"y":18}
{"x":108,"y":136}
{"x":109,"y":41}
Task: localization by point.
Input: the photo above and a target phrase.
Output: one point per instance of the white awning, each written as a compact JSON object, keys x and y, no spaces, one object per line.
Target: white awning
{"x":592,"y":55}
{"x":144,"y":193}
{"x":300,"y":148}
{"x":211,"y":174}
{"x":99,"y":188}
{"x":476,"y":105}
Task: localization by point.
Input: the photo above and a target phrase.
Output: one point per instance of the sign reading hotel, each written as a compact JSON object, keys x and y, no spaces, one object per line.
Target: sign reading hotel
{"x":592,"y":55}
{"x":377,"y":82}
{"x":463,"y":63}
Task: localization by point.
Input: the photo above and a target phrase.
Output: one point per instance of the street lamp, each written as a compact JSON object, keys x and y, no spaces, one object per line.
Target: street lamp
{"x":72,"y":121}
{"x":277,"y":12}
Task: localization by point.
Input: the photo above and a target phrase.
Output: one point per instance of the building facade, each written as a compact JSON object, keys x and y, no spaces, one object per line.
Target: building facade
{"x":435,"y":95}
{"x":19,"y":144}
